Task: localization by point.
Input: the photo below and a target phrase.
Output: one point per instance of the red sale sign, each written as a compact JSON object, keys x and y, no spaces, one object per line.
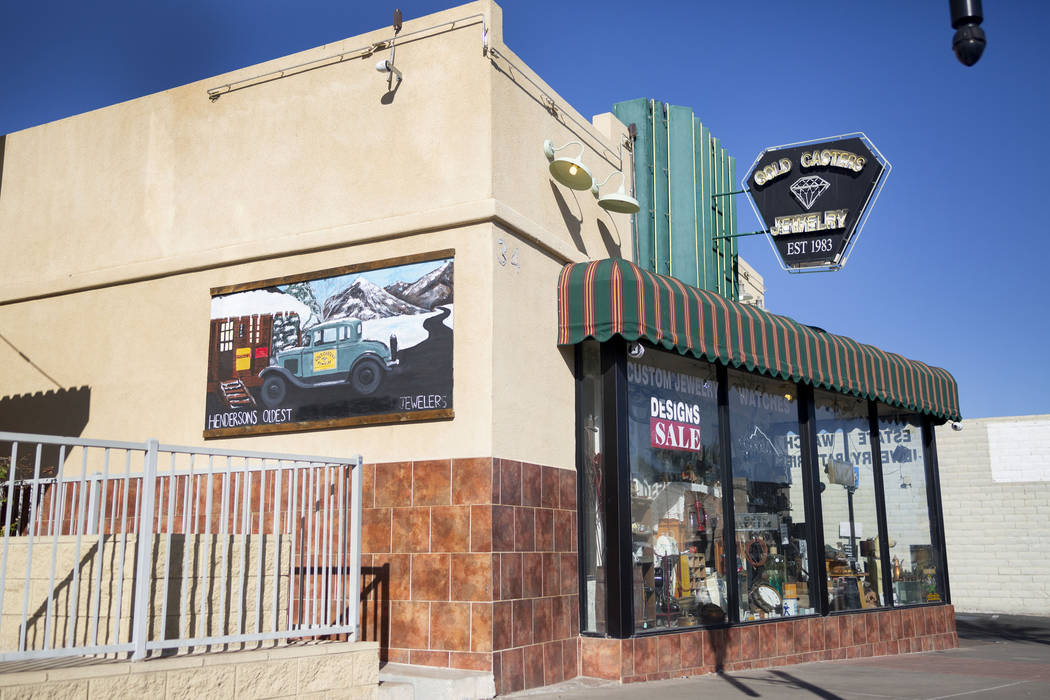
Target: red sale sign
{"x":672,"y":435}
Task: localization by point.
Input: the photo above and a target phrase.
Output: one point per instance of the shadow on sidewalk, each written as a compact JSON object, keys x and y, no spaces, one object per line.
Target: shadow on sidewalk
{"x":1013,"y":628}
{"x":738,"y":685}
{"x":803,"y":685}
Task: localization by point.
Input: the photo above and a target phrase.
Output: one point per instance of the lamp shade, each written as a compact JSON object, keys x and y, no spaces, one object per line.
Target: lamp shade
{"x":570,"y":172}
{"x":619,"y":203}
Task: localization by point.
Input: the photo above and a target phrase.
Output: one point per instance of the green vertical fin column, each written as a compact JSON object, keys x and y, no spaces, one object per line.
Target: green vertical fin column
{"x":717,"y":208}
{"x":681,"y":195}
{"x":661,"y":185}
{"x":724,"y":212}
{"x":681,"y":229}
{"x":639,"y":113}
{"x":733,"y":279}
{"x":705,"y":182}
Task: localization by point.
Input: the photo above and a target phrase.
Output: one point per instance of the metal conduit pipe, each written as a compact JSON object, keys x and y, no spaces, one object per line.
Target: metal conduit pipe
{"x":216,"y":92}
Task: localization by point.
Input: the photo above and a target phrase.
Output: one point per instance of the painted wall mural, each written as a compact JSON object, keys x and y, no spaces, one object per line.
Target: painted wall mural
{"x":362,"y":344}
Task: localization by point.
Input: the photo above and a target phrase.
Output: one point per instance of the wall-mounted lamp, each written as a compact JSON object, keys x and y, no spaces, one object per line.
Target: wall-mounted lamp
{"x":570,"y":172}
{"x":618,"y":202}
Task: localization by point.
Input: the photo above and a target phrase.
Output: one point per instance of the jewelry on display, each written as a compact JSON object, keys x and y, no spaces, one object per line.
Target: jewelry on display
{"x":765,"y":597}
{"x":665,"y":546}
{"x":701,"y":516}
{"x":760,"y":559}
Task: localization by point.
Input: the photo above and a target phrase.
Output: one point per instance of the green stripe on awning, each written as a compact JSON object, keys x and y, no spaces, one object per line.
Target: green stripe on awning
{"x":606,"y":298}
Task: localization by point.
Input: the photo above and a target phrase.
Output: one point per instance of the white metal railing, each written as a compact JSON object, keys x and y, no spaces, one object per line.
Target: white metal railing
{"x":113,"y":547}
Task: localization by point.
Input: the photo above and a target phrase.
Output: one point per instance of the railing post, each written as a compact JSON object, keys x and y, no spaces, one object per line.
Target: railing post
{"x":144,"y":558}
{"x":355,"y":547}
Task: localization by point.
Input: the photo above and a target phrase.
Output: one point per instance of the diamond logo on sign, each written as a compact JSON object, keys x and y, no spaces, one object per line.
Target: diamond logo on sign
{"x":807,"y":189}
{"x":814,"y":197}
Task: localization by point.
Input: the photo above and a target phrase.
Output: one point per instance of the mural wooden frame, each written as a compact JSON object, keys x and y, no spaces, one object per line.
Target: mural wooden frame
{"x":384,"y":418}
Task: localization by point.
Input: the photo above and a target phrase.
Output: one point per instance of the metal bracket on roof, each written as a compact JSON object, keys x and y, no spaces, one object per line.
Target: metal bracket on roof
{"x":738,"y":235}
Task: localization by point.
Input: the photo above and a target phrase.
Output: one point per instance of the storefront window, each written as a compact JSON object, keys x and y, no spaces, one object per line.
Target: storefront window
{"x":848,"y":503}
{"x":691,"y":443}
{"x":678,"y":566}
{"x":771,"y":542}
{"x":916,"y":568}
{"x":592,"y":548}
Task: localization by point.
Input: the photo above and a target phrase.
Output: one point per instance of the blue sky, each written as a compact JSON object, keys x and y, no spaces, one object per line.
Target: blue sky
{"x":951,"y":267}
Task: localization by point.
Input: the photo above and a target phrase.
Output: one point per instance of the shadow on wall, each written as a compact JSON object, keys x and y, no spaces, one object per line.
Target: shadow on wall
{"x":375,"y":607}
{"x":573,"y":222}
{"x":82,"y":593}
{"x":612,"y":243}
{"x":63,"y":412}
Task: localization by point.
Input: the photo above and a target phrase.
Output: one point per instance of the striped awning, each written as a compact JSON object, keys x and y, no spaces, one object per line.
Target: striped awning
{"x":605,"y":298}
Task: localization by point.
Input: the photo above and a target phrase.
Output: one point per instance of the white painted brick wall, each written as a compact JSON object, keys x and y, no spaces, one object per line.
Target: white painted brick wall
{"x":1019,"y":450}
{"x":995,"y":488}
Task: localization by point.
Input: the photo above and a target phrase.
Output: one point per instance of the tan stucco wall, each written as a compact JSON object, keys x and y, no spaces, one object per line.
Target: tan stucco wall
{"x":142,"y":349}
{"x":534,"y":402}
{"x":174,"y":180}
{"x":521,"y":122}
{"x":122,"y":219}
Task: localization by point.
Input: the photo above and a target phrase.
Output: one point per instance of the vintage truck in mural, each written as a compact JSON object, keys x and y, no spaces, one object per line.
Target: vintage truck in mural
{"x":272,"y":353}
{"x":331,"y":353}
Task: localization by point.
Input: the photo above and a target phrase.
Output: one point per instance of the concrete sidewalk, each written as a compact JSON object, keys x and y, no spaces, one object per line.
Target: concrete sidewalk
{"x":999,"y":656}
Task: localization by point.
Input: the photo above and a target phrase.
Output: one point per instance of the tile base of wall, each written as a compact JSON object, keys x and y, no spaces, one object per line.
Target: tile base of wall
{"x":697,"y":652}
{"x":471,"y":563}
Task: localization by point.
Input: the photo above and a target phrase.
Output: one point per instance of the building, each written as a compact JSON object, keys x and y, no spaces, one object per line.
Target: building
{"x":996,"y":491}
{"x":576,"y":465}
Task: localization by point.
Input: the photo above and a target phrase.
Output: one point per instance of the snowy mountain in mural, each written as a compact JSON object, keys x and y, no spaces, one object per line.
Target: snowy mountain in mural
{"x":365,"y":300}
{"x":430,"y":290}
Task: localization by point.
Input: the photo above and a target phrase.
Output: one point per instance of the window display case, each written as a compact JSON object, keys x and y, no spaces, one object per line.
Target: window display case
{"x":848,"y":496}
{"x":677,"y":547}
{"x":915,"y":561}
{"x":772,"y":544}
{"x":721,"y":496}
{"x":592,"y":494}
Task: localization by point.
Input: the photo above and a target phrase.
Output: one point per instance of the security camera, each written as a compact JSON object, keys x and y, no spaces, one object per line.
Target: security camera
{"x":969,"y":40}
{"x":635,"y":350}
{"x":956,"y":425}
